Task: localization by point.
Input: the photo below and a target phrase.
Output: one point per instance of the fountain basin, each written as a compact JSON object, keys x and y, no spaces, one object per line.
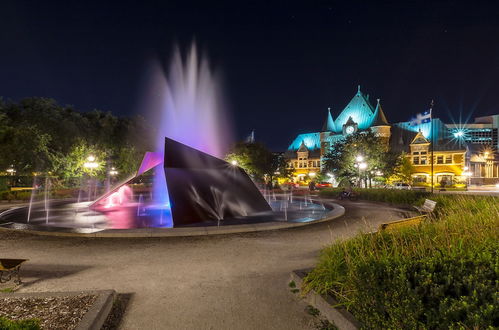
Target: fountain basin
{"x":64,"y":220}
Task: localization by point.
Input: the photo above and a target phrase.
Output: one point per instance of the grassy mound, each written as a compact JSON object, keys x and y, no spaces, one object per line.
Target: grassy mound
{"x":441,"y":274}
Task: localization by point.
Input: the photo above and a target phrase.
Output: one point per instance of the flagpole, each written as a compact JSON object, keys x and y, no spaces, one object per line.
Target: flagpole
{"x":431,"y":144}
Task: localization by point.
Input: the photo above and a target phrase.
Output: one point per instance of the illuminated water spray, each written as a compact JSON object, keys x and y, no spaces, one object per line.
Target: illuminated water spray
{"x":187,"y":107}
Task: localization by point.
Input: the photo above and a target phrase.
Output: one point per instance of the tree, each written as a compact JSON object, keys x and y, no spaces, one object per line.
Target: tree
{"x":39,"y":135}
{"x":404,"y":170}
{"x":254,"y":158}
{"x":341,"y":159}
{"x":259,"y":162}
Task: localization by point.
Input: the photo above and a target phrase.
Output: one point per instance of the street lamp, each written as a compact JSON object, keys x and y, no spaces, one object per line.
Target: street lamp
{"x":113,"y":172}
{"x":91,"y":164}
{"x":361,"y":165}
{"x":233,"y":162}
{"x":11,"y":170}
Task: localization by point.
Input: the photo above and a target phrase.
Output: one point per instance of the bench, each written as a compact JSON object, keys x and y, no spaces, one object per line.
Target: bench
{"x":402,"y":223}
{"x":10,"y":268}
{"x":427,"y":207}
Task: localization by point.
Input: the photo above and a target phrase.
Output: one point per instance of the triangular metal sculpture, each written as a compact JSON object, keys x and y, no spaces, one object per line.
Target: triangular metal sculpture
{"x":203,"y":188}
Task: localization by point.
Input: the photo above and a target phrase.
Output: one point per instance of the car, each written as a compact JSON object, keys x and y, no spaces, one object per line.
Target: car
{"x":289,"y":185}
{"x":323,"y":185}
{"x":402,"y":186}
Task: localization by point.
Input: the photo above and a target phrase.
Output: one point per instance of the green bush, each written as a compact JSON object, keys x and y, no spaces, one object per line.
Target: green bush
{"x":23,"y":195}
{"x":394,"y":196}
{"x":6,"y":196}
{"x":442,"y":274}
{"x":31,"y":324}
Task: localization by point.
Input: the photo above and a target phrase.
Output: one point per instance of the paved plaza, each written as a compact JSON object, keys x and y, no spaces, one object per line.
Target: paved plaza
{"x":222,"y":282}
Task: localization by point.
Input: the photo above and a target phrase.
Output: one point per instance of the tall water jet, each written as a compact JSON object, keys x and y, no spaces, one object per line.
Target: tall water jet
{"x":187,"y":105}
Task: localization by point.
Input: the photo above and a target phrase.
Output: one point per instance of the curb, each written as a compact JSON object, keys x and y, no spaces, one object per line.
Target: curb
{"x":340,"y":317}
{"x":337,"y":212}
{"x":94,"y":318}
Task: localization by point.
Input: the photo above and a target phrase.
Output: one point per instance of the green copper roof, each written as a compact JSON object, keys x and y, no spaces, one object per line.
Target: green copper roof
{"x":329,"y":123}
{"x":436,"y":126}
{"x":311,"y":140}
{"x":359,"y":109}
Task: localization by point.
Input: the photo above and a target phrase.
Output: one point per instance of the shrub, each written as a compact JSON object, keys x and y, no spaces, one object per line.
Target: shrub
{"x":393,"y":196}
{"x":441,"y":274}
{"x":6,"y":195}
{"x":30,"y":324}
{"x":22,"y":195}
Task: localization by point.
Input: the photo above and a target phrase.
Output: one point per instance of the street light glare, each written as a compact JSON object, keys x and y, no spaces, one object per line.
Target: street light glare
{"x":233,"y":162}
{"x":362,"y":166}
{"x":359,"y":158}
{"x":90,"y":158}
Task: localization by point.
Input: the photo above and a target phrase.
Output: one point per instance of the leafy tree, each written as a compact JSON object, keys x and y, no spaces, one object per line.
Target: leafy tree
{"x":259,"y":162}
{"x":341,"y":159}
{"x":403,"y":171}
{"x":39,"y":135}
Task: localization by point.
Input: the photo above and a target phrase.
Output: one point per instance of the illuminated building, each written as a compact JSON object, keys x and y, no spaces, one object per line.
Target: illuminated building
{"x":461,"y":152}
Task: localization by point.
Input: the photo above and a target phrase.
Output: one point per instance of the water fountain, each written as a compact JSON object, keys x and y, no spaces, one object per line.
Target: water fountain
{"x":183,"y":182}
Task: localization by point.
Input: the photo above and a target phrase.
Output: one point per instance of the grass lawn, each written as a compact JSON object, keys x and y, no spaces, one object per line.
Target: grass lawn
{"x":441,"y":274}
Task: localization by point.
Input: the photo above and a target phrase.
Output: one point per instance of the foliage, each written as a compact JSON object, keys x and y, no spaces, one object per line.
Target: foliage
{"x":30,"y":324}
{"x":403,"y":170}
{"x":39,"y":135}
{"x":258,"y":161}
{"x":442,"y":274}
{"x":340,"y":160}
{"x":394,"y":196}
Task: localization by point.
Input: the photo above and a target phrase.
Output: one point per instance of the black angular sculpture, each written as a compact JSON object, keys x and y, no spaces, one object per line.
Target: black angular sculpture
{"x":203,"y":188}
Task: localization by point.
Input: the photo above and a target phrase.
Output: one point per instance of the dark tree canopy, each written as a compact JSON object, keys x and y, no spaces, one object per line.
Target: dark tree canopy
{"x":39,"y":135}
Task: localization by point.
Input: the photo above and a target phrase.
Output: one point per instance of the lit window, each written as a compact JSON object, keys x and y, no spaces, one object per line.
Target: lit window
{"x":448,"y":159}
{"x":423,"y":160}
{"x":415,"y":160}
{"x":440,"y":159}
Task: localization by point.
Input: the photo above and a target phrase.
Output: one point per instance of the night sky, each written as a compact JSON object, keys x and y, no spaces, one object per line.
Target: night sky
{"x":283,"y":64}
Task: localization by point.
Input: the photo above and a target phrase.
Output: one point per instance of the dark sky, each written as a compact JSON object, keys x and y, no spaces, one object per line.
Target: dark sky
{"x":283,"y":62}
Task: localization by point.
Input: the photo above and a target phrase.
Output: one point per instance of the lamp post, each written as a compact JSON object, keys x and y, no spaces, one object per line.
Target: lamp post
{"x":90,"y":164}
{"x":113,"y":172}
{"x":11,"y":170}
{"x":359,"y":163}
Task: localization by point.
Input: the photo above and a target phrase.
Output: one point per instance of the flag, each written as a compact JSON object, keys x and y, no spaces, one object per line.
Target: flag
{"x":425,"y":117}
{"x":251,"y":137}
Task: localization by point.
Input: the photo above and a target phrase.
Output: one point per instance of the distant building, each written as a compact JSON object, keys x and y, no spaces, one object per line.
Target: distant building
{"x":461,"y":151}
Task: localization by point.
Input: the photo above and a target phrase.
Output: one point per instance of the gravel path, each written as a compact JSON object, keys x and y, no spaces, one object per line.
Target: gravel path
{"x":221,"y":282}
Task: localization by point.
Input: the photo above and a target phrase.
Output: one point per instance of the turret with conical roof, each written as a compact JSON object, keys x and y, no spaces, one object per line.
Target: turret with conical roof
{"x":379,"y":118}
{"x":380,"y":125}
{"x":329,"y":123}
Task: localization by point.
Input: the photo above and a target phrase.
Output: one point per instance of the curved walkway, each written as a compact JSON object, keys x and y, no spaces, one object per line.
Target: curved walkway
{"x":213,"y":282}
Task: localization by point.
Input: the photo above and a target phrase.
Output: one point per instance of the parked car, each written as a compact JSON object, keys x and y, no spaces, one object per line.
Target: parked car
{"x":289,"y":185}
{"x":402,"y":186}
{"x":320,"y":185}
